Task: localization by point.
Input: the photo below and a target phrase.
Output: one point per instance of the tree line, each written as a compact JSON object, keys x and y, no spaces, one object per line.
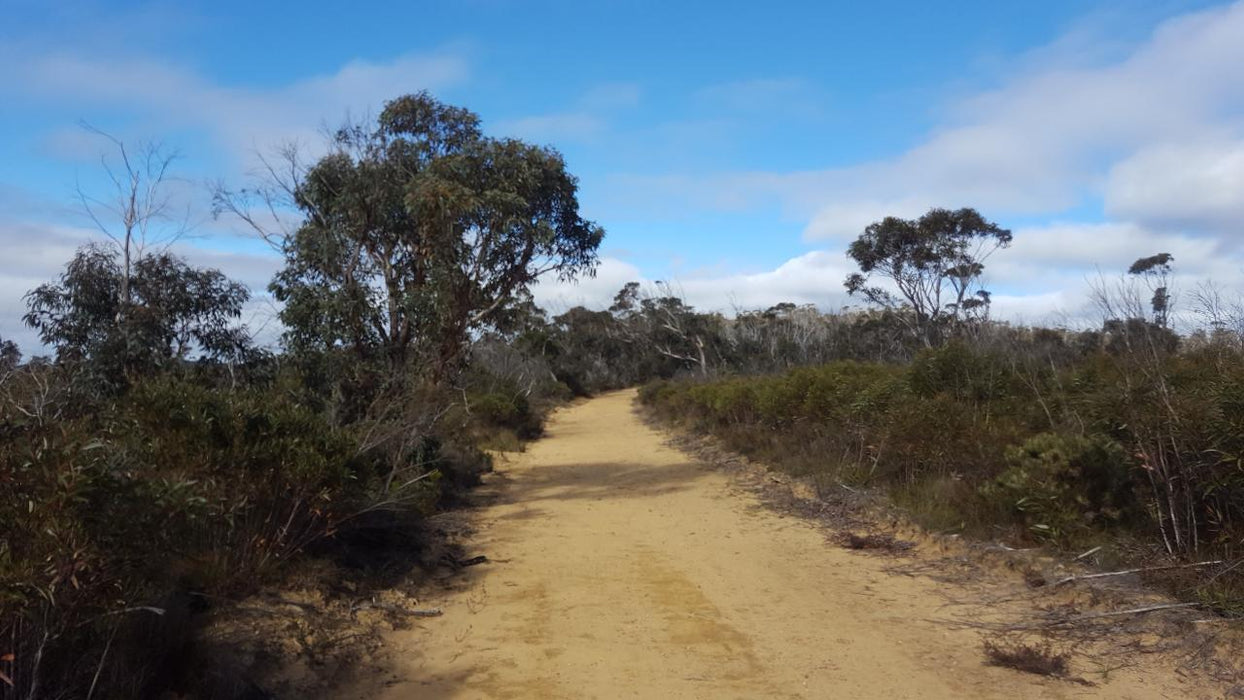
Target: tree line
{"x":161,"y":459}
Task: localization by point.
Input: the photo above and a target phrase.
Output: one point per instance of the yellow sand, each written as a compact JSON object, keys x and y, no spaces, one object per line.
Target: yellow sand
{"x":621,"y":568}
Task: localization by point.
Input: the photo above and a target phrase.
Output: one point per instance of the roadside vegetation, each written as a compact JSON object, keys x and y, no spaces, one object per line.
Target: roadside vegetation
{"x":1129,"y":434}
{"x":161,"y":463}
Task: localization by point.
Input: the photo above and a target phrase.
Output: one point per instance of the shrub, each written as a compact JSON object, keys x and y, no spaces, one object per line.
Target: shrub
{"x":1061,"y":485}
{"x":1060,"y":443}
{"x":506,"y":410}
{"x":964,"y":373}
{"x":1040,"y":659}
{"x":174,"y":487}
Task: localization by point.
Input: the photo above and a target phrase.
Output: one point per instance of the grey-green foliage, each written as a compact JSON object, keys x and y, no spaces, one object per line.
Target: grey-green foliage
{"x":932,"y":266}
{"x":419,"y":230}
{"x":169,"y":312}
{"x":1156,"y":270}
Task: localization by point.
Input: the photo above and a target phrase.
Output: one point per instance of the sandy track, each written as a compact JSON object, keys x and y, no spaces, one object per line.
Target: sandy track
{"x":622,"y":568}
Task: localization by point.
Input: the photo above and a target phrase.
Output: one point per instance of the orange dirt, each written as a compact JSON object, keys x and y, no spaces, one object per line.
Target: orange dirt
{"x":621,"y":567}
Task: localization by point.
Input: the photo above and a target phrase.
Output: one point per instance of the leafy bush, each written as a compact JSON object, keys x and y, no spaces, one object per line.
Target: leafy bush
{"x":965,"y":374}
{"x":511,"y":411}
{"x":1060,"y":441}
{"x":1062,"y":485}
{"x":174,"y":487}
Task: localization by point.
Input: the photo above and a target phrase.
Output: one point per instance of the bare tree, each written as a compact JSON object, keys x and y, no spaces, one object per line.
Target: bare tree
{"x":137,"y":214}
{"x":1222,"y":320}
{"x":677,"y":332}
{"x":269,"y":206}
{"x":1140,"y":349}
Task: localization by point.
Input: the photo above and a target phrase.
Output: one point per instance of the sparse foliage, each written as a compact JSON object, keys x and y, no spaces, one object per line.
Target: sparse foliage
{"x":1039,"y":658}
{"x":931,"y":266}
{"x":1156,"y":270}
{"x":139,"y":215}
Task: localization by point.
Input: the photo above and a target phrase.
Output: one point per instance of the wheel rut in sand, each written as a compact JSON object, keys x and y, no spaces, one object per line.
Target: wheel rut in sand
{"x":621,"y":567}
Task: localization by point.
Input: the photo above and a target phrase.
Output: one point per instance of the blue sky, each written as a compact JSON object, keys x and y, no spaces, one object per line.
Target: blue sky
{"x":731,"y":147}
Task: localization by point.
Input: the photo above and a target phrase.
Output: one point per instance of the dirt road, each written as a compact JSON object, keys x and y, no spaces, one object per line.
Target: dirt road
{"x":622,"y":568}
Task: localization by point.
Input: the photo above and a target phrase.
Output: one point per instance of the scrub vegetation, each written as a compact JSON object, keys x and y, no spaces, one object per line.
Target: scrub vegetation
{"x":1130,"y":434}
{"x":160,"y":463}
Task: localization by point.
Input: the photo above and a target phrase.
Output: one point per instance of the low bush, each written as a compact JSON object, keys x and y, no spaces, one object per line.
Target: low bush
{"x":1040,"y":658}
{"x":1064,"y":485}
{"x":123,"y":517}
{"x":1046,"y":441}
{"x":175,"y":487}
{"x":512,"y":411}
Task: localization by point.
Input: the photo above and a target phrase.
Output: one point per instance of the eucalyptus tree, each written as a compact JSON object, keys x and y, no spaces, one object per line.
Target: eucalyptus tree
{"x":931,"y":266}
{"x":677,"y":332}
{"x":170,"y":312}
{"x":419,"y":231}
{"x":138,"y":210}
{"x":1156,"y":270}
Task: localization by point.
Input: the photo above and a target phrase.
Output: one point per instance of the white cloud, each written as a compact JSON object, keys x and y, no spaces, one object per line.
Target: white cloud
{"x":1151,"y":132}
{"x":240,"y":120}
{"x":157,"y":96}
{"x":37,"y":252}
{"x":1075,"y":247}
{"x":785,"y":97}
{"x":812,"y":278}
{"x":1199,"y":185}
{"x":1062,"y":133}
{"x":551,"y":128}
{"x":1050,"y":271}
{"x":1043,"y":143}
{"x":586,"y":121}
{"x":610,"y":96}
{"x":845,"y":220}
{"x":1058,"y":308}
{"x":1046,"y":277}
{"x":556,"y":296}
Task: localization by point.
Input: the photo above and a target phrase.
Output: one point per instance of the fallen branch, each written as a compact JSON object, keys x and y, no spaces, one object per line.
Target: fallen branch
{"x":1089,"y":553}
{"x":396,"y":609}
{"x":1209,"y":620}
{"x":1124,"y":572}
{"x":1225,"y":571}
{"x":278,"y":600}
{"x":888,"y":543}
{"x":123,"y":611}
{"x":1099,"y":616}
{"x":998,"y":546}
{"x":1134,"y":611}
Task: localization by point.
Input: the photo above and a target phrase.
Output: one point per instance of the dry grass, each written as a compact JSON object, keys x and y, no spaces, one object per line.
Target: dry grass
{"x":1034,"y":578}
{"x":875,"y":541}
{"x":1036,"y":658}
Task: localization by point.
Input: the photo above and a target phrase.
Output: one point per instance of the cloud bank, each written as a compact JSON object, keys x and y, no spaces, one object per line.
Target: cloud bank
{"x":1093,"y":158}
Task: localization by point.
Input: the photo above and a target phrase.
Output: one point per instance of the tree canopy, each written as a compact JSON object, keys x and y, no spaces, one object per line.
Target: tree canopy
{"x":168,"y":311}
{"x":1156,"y":270}
{"x":933,"y":265}
{"x":419,"y":230}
